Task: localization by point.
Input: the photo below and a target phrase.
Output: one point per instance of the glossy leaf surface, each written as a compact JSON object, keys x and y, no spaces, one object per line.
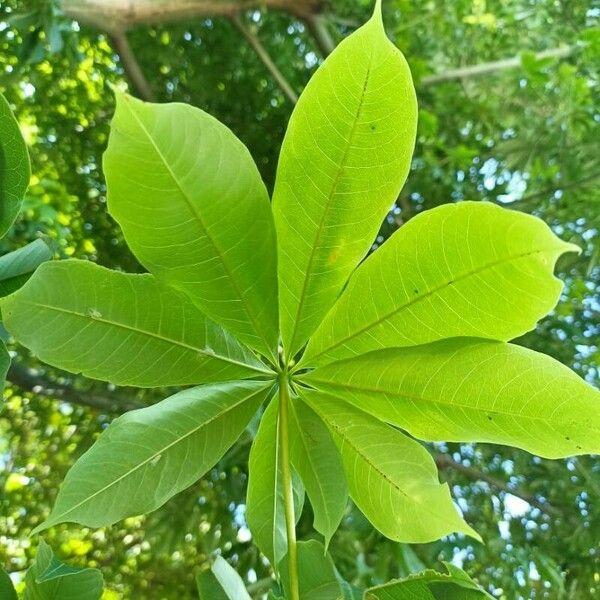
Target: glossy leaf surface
{"x":127,"y":329}
{"x":196,"y":213}
{"x":468,"y":390}
{"x":345,"y":156}
{"x":467,"y":269}
{"x":392,"y":478}
{"x":148,"y":455}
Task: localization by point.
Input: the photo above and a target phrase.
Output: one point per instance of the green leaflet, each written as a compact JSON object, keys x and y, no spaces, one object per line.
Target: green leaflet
{"x":264,"y":500}
{"x":127,"y":329}
{"x":16,"y":267}
{"x":392,"y":478}
{"x":472,"y":390}
{"x":50,"y":579}
{"x":196,"y":213}
{"x":221,"y":582}
{"x":344,"y":159}
{"x":7,"y":590}
{"x":14,"y":167}
{"x":468,"y":269}
{"x":148,"y":455}
{"x":317,"y":461}
{"x":430,"y":585}
{"x":316,"y":573}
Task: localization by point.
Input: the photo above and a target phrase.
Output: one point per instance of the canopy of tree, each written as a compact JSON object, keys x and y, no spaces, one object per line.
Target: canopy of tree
{"x":509,"y":97}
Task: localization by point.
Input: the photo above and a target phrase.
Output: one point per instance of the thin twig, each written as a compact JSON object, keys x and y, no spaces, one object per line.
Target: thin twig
{"x":562,"y":187}
{"x":317,"y":27}
{"x":30,"y":381}
{"x":264,"y":57}
{"x":443,"y":461}
{"x":131,"y":66}
{"x":491,"y":67}
{"x":261,"y":586}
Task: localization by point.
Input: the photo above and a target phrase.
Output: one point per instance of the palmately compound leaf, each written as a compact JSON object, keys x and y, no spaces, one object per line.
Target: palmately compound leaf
{"x":16,"y":267}
{"x":146,"y":456}
{"x":14,"y":167}
{"x":195,"y":212}
{"x":392,"y":478}
{"x":50,"y":579}
{"x":127,"y":329}
{"x":317,"y":461}
{"x":7,"y":589}
{"x":430,"y":585}
{"x":468,"y":269}
{"x":221,"y":582}
{"x":344,"y":159}
{"x":265,"y":502}
{"x":317,"y":577}
{"x":470,"y":390}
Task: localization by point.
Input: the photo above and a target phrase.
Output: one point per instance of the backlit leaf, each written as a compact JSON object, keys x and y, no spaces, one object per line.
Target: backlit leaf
{"x":345,"y":156}
{"x":146,"y":456}
{"x":127,"y":329}
{"x":392,"y":478}
{"x":317,"y":461}
{"x":468,"y":390}
{"x":430,"y":585}
{"x":195,"y":212}
{"x":264,"y":503}
{"x":467,"y":269}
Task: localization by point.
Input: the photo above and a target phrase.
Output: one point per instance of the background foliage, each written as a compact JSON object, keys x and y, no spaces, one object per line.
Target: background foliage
{"x":526,"y":136}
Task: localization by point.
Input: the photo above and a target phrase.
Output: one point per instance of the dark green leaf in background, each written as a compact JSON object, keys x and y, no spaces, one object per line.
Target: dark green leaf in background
{"x":221,"y":582}
{"x":14,"y":167}
{"x":50,"y":579}
{"x":16,"y":267}
{"x":7,"y":590}
{"x":430,"y":585}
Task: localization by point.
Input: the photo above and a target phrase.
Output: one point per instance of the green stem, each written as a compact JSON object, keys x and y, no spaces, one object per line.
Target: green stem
{"x":288,"y":495}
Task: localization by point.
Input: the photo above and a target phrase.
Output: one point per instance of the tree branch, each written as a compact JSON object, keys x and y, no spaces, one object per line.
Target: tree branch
{"x":491,"y":67}
{"x":28,"y":380}
{"x":317,"y":27}
{"x":567,"y":185}
{"x":131,"y":66}
{"x":264,"y":57}
{"x":444,"y":462}
{"x":121,"y":15}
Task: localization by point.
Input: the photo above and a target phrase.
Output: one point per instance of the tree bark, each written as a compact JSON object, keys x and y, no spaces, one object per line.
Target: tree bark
{"x":131,"y":66}
{"x":120,"y":15}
